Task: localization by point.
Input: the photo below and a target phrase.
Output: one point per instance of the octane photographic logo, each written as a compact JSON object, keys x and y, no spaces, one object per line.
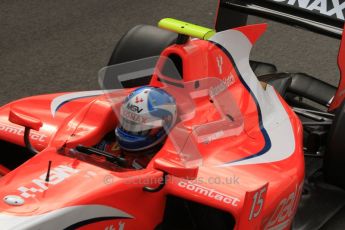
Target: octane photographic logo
{"x":20,"y":132}
{"x":325,"y":7}
{"x":233,"y":180}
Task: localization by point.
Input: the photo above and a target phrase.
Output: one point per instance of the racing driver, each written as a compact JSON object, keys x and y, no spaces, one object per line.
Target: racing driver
{"x":146,"y":116}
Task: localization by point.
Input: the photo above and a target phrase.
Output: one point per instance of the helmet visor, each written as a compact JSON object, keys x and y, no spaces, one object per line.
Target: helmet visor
{"x":136,"y":128}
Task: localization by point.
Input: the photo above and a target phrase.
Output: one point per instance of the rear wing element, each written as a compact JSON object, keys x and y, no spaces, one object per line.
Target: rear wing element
{"x":325,"y":17}
{"x":321,"y":16}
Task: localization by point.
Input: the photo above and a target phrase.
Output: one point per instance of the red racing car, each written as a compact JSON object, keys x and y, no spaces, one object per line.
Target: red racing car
{"x":185,"y":133}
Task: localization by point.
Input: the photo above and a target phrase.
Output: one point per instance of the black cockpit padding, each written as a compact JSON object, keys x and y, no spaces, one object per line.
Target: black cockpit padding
{"x":311,"y":88}
{"x":280,"y":81}
{"x":261,"y":68}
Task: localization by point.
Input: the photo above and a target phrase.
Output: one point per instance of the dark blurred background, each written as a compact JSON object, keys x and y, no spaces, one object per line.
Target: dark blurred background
{"x":51,"y":46}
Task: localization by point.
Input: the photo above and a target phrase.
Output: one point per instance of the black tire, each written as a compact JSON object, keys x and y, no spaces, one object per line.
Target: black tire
{"x":140,"y":42}
{"x":334,"y":156}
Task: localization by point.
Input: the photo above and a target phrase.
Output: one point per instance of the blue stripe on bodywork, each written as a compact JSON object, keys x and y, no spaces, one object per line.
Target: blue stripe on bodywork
{"x":268,"y":143}
{"x":72,"y":99}
{"x":59,"y":101}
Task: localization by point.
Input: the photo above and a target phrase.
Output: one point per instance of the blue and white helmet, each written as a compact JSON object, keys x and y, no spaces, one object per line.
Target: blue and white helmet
{"x":147,"y":114}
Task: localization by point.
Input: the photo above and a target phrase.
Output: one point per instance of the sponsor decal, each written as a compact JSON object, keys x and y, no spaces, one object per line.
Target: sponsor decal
{"x":133,"y":116}
{"x":325,"y":7}
{"x":39,"y":185}
{"x":19,"y":131}
{"x":285,"y":210}
{"x":227,"y":81}
{"x":121,"y":226}
{"x":138,"y":100}
{"x":134,"y":108}
{"x":220,"y":64}
{"x":214,"y":136}
{"x":211,"y":193}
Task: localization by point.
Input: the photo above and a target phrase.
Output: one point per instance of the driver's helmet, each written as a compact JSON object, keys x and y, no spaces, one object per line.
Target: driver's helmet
{"x":146,"y":116}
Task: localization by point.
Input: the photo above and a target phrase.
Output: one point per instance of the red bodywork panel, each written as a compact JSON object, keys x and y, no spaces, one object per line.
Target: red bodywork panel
{"x":340,"y":94}
{"x":19,"y":118}
{"x":263,"y":195}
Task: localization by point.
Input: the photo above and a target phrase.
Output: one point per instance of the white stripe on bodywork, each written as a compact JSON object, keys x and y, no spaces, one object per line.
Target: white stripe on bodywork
{"x":60,"y":100}
{"x":61,"y":218}
{"x":275,"y":118}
